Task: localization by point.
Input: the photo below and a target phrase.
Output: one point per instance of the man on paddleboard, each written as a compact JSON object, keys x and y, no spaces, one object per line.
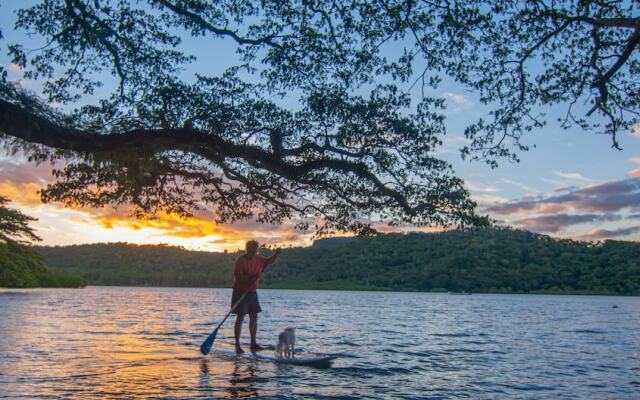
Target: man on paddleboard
{"x":246,"y":275}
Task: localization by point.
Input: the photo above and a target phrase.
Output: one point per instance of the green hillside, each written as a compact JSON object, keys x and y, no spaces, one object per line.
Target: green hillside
{"x":484,"y":260}
{"x":21,"y":267}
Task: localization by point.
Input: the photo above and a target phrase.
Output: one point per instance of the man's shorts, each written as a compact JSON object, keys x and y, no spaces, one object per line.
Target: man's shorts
{"x":248,"y":305}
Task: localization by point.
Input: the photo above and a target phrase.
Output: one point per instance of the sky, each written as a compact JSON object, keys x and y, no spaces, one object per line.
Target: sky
{"x":571,"y":185}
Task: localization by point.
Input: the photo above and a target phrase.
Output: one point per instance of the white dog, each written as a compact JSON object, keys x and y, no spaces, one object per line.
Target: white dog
{"x":286,"y":343}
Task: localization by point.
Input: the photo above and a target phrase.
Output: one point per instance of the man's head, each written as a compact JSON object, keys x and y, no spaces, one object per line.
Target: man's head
{"x":252,"y":247}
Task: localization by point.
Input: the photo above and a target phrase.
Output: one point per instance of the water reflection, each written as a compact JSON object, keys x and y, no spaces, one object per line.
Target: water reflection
{"x":243,"y":381}
{"x":239,"y":381}
{"x":143,"y":343}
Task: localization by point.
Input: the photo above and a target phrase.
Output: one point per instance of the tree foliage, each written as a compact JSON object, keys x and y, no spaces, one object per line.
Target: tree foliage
{"x":354,"y":149}
{"x":478,"y":260}
{"x":14,"y":225}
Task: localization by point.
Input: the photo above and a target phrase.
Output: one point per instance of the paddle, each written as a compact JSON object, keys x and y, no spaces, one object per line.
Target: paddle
{"x":206,"y":346}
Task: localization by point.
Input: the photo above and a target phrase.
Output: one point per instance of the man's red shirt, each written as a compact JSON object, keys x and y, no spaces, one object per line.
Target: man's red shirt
{"x":246,"y":272}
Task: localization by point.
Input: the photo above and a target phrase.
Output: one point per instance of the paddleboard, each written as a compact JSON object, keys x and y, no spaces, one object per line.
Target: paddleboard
{"x":319,"y":361}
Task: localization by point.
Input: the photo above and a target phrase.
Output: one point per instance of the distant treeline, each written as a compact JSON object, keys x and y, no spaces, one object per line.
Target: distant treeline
{"x":483,"y":260}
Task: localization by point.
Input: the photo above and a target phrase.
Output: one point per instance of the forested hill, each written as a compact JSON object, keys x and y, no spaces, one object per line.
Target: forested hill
{"x":487,"y":260}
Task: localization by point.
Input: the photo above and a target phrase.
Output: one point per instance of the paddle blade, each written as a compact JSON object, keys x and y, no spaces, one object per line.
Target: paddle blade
{"x":205,"y":348}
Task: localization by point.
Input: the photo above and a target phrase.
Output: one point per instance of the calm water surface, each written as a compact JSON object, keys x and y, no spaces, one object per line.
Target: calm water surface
{"x":119,"y":342}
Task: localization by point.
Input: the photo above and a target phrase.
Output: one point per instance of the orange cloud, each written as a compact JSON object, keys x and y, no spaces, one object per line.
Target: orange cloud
{"x":635,"y":160}
{"x":598,"y":234}
{"x":634,"y":173}
{"x":170,"y":224}
{"x":24,"y":194}
{"x":200,"y":226}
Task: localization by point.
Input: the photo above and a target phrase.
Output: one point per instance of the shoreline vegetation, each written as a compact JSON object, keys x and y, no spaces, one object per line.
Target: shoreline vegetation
{"x":23,"y":268}
{"x":326,"y":285}
{"x":355,"y":287}
{"x":473,"y":261}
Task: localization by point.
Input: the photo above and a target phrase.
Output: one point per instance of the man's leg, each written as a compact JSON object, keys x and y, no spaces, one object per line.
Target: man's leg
{"x":253,"y":330}
{"x":237,"y":331}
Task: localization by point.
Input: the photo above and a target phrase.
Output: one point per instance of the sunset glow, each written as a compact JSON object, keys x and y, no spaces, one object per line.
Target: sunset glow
{"x":59,"y":225}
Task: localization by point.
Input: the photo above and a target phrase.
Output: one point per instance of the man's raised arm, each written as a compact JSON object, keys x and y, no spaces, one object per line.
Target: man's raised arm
{"x":273,"y":257}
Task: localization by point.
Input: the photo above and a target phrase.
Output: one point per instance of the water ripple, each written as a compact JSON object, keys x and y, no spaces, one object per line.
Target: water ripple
{"x":143,"y":343}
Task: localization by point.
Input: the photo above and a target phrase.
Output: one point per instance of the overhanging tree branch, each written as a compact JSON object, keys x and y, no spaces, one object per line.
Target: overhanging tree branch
{"x":305,"y":166}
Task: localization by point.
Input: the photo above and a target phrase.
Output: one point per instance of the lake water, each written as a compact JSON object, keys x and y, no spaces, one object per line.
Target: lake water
{"x":119,"y":342}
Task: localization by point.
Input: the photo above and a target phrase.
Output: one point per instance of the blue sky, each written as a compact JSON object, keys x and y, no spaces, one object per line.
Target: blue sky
{"x":570,"y":162}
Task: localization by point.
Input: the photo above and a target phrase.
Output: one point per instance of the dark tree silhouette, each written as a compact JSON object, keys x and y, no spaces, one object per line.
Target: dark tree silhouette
{"x":341,"y":158}
{"x":14,"y":225}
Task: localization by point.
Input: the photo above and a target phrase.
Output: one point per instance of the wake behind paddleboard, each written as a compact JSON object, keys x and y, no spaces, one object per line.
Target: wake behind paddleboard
{"x":319,"y":361}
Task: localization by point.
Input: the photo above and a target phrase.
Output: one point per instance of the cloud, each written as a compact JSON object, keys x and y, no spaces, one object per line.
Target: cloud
{"x":25,"y":193}
{"x":554,"y":223}
{"x":451,"y":144}
{"x":21,"y":182}
{"x":552,"y":208}
{"x":572,"y":176}
{"x":634,"y":172}
{"x":20,"y":173}
{"x":635,"y":160}
{"x":513,"y":207}
{"x":223,"y":241}
{"x":596,"y":234}
{"x":559,"y":184}
{"x":200,"y":226}
{"x":604,"y":197}
{"x":635,"y":131}
{"x":520,"y":185}
{"x":457,"y":102}
{"x":13,"y":67}
{"x":554,"y":213}
{"x":479,"y":187}
{"x":487,"y":199}
{"x":565,"y":189}
{"x":457,"y":99}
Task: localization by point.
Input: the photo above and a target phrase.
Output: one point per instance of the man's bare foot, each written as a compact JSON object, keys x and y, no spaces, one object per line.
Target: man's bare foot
{"x":256,"y":347}
{"x":239,"y":350}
